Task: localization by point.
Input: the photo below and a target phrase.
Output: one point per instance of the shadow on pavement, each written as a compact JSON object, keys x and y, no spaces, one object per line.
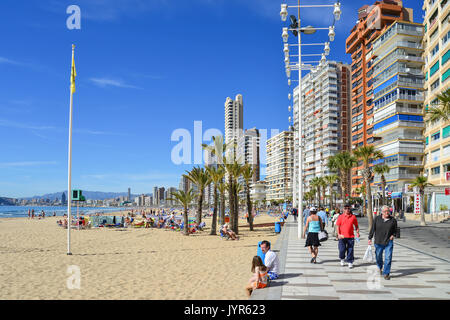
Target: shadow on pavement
{"x":275,"y":283}
{"x":408,"y":272}
{"x":289,"y":275}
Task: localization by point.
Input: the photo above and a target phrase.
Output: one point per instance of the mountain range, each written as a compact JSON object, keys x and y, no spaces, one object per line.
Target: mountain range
{"x":89,"y":195}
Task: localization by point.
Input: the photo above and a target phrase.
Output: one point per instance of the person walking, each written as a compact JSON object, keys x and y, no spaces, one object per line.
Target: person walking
{"x":336,"y":215}
{"x":385,"y":228}
{"x":295,"y":213}
{"x":323,"y":215}
{"x":314,"y":225}
{"x":344,"y":227}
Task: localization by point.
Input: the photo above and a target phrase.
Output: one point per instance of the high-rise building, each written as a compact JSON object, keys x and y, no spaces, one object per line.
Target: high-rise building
{"x":234,"y":121}
{"x":371,"y":20}
{"x":155,"y":196}
{"x":248,"y":151}
{"x":325,"y":120}
{"x":437,"y":70}
{"x":63,"y":198}
{"x":398,"y":99}
{"x":280,"y":166}
{"x":129,"y":194}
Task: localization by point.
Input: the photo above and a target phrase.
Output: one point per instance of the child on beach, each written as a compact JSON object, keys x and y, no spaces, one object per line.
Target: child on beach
{"x":260,"y":277}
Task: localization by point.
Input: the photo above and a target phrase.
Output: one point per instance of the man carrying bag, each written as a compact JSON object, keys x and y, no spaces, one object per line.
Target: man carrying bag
{"x":385,"y":229}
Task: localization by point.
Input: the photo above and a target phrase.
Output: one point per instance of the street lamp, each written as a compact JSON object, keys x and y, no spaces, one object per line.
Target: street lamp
{"x":331,"y":33}
{"x":283,"y":12}
{"x":326,"y":50}
{"x":297,"y":31}
{"x":337,"y":11}
{"x":285,"y":34}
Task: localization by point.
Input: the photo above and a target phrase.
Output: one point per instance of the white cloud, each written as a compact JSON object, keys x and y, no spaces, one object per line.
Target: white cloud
{"x":105,"y":82}
{"x":26,"y":164}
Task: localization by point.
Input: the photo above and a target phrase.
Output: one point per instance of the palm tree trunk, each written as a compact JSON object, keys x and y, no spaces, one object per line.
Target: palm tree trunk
{"x":222,"y":209}
{"x":249,"y":209}
{"x":331,"y":197}
{"x":366,"y":174}
{"x":231,"y":200}
{"x":236,"y":213}
{"x":422,"y":209}
{"x":344,"y":185}
{"x":214,"y":218}
{"x":383,"y":185}
{"x":186,"y":222}
{"x":199,"y":209}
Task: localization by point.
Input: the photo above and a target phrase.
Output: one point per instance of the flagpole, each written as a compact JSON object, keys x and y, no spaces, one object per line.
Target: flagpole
{"x":69,"y":188}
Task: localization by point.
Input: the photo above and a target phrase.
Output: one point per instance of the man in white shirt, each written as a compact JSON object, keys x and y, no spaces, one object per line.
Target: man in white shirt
{"x":270,"y":261}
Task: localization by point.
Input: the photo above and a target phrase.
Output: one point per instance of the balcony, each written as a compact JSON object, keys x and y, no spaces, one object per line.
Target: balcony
{"x":398,"y":124}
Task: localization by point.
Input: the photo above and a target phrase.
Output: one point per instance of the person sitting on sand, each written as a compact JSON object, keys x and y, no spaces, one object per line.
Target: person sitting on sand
{"x":260,"y":277}
{"x":226,"y":230}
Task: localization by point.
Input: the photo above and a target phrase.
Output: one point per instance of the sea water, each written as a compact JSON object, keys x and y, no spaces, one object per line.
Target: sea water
{"x":22,"y":211}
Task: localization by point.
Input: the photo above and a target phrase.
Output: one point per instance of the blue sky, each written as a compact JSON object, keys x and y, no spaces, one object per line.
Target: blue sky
{"x":144,"y":69}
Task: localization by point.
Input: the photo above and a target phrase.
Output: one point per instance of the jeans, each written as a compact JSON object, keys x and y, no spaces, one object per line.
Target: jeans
{"x":388,"y":249}
{"x":346,"y":249}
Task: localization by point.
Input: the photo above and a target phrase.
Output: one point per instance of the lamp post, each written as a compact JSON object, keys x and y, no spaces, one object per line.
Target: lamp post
{"x":297,"y":31}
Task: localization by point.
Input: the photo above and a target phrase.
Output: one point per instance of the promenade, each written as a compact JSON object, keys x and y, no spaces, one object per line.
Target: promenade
{"x":416,"y":273}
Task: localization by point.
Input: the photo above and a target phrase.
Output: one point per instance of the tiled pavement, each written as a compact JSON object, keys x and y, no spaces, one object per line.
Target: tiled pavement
{"x":414,"y":274}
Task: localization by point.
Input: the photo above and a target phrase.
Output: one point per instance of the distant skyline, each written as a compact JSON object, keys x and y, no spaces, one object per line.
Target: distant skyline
{"x":144,"y":69}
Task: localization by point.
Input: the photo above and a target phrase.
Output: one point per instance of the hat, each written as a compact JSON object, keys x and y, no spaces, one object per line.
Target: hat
{"x":347,"y":205}
{"x":313,"y":208}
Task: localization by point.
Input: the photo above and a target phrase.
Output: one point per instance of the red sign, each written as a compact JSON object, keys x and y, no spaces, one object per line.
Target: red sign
{"x":447,"y":191}
{"x":417,"y":203}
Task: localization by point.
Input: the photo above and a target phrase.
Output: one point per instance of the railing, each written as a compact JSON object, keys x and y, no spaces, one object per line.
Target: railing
{"x":398,"y":124}
{"x":391,"y":138}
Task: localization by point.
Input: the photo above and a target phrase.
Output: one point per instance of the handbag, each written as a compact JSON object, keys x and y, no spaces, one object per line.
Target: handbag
{"x":323,"y":235}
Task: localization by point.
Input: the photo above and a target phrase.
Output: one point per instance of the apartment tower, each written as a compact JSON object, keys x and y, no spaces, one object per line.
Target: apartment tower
{"x":437,"y":70}
{"x":325,"y":120}
{"x":234,"y":120}
{"x":371,"y":20}
{"x":398,"y":103}
{"x":280,"y":166}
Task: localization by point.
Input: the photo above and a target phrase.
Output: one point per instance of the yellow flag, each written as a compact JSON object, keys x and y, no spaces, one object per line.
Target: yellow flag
{"x":73,"y":75}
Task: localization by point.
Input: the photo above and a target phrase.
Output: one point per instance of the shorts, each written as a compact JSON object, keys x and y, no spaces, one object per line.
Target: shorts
{"x":272,"y":275}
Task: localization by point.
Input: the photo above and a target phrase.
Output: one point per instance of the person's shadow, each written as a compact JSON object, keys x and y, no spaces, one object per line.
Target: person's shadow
{"x":289,"y":275}
{"x":408,"y":272}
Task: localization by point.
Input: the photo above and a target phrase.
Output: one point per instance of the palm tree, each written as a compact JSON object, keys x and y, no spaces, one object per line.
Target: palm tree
{"x":200,"y":178}
{"x":216,"y":175}
{"x":342,"y":163}
{"x":316,"y":184}
{"x":362,"y":190}
{"x":382,"y":169}
{"x":421,"y":183}
{"x":222,"y":187}
{"x":184,"y":199}
{"x":434,"y":114}
{"x":323,"y":185}
{"x":247,"y":174}
{"x":330,"y":181}
{"x":367,"y":154}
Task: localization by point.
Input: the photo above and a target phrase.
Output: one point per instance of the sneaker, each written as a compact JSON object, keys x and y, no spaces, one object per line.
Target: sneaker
{"x":342,"y":262}
{"x":387,"y":277}
{"x":312,"y":260}
{"x":381,"y":272}
{"x":350,"y":265}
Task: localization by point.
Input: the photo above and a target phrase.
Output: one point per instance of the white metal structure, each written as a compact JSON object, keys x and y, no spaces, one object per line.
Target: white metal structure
{"x":297,"y":31}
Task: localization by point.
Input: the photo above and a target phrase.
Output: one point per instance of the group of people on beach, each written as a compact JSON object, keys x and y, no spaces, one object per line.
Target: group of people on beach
{"x":32,"y":215}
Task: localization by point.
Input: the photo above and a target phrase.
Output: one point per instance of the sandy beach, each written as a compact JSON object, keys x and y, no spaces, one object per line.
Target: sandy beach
{"x":130,"y":263}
